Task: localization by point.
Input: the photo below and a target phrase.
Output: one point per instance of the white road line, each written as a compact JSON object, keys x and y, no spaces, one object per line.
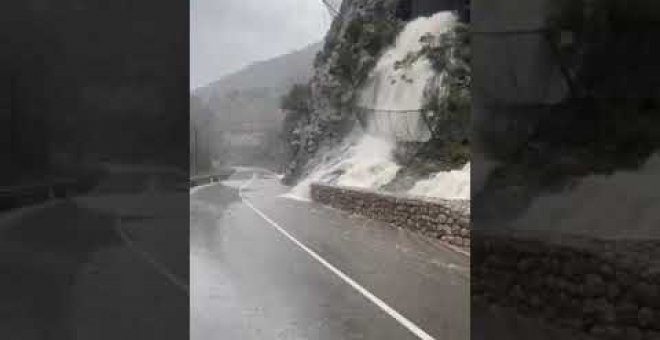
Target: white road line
{"x":159,"y":267}
{"x":371,"y":297}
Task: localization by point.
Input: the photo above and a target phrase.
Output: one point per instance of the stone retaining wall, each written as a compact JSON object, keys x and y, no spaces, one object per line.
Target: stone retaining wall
{"x":448,"y":220}
{"x":606,"y":288}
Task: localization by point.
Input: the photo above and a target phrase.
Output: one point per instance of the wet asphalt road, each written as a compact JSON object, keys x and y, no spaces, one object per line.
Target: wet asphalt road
{"x":66,"y":273}
{"x":249,"y":281}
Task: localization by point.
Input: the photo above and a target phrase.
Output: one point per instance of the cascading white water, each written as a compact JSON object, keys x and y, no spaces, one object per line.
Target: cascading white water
{"x":453,"y":184}
{"x":363,"y":161}
{"x":366,"y":160}
{"x":369,"y":164}
{"x":389,"y":88}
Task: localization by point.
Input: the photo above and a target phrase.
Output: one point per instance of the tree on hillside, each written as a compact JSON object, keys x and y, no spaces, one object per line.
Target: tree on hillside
{"x":297,"y":100}
{"x":297,"y":108}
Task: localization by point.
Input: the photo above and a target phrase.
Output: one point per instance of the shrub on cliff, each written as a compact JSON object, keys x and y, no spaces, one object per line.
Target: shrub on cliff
{"x":357,"y":37}
{"x":296,"y":101}
{"x":447,"y":107}
{"x":296,"y":105}
{"x":363,"y":41}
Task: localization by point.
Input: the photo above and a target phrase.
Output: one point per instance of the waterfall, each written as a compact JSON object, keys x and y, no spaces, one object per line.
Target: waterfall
{"x":453,"y":184}
{"x":362,"y":161}
{"x":365,"y":158}
{"x":389,"y":88}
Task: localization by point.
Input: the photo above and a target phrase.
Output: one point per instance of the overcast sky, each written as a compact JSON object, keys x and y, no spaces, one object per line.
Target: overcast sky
{"x":227,"y":35}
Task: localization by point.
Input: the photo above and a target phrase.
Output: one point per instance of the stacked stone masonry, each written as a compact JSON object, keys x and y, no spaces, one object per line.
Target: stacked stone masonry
{"x":448,"y":220}
{"x":605,"y":289}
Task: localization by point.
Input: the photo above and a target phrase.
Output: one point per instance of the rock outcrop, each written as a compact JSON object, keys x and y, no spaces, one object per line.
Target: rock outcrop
{"x":358,"y":36}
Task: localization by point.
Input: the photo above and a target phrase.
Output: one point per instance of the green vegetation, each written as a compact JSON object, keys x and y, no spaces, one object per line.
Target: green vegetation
{"x":363,"y":42}
{"x":297,"y":100}
{"x":447,"y":107}
{"x":297,"y":106}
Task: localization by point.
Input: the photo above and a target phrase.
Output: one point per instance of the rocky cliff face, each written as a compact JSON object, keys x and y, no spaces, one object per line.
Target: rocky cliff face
{"x":358,"y":35}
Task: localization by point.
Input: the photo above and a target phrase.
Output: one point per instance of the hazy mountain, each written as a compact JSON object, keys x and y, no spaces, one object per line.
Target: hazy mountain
{"x":237,"y":119}
{"x":250,"y":97}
